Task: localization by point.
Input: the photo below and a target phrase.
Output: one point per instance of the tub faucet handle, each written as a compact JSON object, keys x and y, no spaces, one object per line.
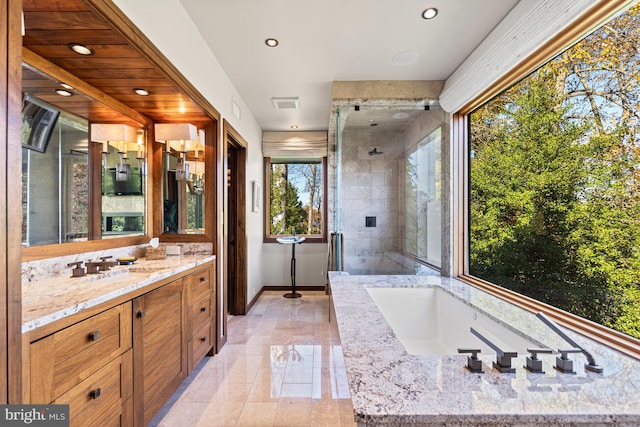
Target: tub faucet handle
{"x":563,"y":363}
{"x":533,"y":363}
{"x":473,"y":363}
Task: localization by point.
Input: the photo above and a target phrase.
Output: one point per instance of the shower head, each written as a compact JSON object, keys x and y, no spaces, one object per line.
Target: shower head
{"x":375,"y":151}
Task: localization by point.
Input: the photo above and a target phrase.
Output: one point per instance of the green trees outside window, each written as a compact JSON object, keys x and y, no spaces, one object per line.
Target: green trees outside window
{"x":295,"y":197}
{"x":555,"y":181}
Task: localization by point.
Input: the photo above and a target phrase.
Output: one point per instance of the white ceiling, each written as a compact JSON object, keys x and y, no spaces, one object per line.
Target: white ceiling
{"x":326,"y":40}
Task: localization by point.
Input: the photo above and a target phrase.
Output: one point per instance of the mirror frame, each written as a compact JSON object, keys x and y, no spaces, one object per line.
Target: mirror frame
{"x":211,"y":131}
{"x":30,"y":253}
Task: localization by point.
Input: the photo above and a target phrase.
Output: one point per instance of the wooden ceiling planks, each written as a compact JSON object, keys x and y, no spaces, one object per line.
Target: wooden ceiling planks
{"x":115,"y":69}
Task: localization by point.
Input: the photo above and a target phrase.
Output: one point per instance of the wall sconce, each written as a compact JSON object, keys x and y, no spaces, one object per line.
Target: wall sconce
{"x":118,"y":136}
{"x":181,"y":137}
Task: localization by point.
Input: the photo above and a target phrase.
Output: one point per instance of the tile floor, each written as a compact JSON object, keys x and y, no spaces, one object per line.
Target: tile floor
{"x":282,"y":366}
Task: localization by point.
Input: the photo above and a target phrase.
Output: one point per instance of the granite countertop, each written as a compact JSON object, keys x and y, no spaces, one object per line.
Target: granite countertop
{"x":47,"y":300}
{"x":391,"y":387}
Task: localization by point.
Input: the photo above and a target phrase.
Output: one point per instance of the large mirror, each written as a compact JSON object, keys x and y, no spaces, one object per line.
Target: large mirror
{"x":183,"y":178}
{"x":73,"y":189}
{"x":183,"y":181}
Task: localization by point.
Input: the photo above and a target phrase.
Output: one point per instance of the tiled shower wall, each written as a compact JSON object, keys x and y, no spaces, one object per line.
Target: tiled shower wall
{"x":370,"y":189}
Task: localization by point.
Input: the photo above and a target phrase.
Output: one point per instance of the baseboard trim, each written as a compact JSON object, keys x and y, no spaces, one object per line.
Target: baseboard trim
{"x":288,"y":288}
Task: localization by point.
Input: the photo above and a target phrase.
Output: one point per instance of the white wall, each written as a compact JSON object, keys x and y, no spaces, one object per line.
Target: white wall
{"x":168,"y":26}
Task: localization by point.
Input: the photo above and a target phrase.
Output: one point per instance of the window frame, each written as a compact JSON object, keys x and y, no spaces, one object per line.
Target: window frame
{"x":460,"y":176}
{"x":271,"y":238}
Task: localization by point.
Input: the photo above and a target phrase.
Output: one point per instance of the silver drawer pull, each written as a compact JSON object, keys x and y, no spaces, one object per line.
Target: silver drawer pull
{"x":94,"y":394}
{"x":94,"y":336}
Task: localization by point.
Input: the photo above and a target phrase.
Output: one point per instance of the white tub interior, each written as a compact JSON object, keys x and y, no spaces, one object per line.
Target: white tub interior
{"x":430,"y":321}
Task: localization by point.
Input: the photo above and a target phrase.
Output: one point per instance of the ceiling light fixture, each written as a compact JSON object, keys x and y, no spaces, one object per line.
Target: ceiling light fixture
{"x":271,"y":42}
{"x":63,"y":92}
{"x":294,"y":126}
{"x":66,"y":86}
{"x":80,"y":49}
{"x":429,"y":13}
{"x":141,"y":92}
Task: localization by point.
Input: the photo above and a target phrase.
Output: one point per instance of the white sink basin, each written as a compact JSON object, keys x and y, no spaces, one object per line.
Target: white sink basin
{"x":290,"y":239}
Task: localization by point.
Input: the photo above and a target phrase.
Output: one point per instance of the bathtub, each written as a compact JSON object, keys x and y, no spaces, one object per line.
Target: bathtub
{"x":431,"y":321}
{"x":400,"y":336}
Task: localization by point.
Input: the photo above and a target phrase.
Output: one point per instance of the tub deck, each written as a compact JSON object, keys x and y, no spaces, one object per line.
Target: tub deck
{"x":390,"y":387}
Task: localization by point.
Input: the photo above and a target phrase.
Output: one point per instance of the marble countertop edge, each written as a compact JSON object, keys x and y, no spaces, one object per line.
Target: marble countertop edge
{"x":81,"y":295}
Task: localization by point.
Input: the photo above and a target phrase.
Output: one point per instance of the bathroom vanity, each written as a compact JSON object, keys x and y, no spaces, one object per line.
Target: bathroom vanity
{"x":115,"y":345}
{"x":394,"y":384}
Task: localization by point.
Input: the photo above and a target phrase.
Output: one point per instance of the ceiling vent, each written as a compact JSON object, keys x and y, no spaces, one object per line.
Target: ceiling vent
{"x":286,"y":103}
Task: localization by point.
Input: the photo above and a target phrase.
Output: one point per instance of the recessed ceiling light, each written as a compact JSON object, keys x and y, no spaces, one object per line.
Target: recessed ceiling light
{"x":80,"y":49}
{"x":141,"y":92}
{"x":63,"y":92}
{"x":430,"y":13}
{"x":405,"y":58}
{"x":294,"y":126}
{"x":271,"y":42}
{"x":66,"y":86}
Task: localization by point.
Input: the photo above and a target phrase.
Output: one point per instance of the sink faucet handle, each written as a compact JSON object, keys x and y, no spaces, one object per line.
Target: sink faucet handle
{"x":473,"y":363}
{"x":563,"y":363}
{"x":92,"y":267}
{"x":533,"y":363}
{"x":104,"y":258}
{"x":78,"y":269}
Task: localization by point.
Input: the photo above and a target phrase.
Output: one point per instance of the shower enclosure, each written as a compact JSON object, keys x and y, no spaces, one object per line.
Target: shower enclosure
{"x":387,"y":181}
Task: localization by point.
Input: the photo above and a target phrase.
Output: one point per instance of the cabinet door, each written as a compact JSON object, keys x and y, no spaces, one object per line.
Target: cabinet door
{"x":159,"y":348}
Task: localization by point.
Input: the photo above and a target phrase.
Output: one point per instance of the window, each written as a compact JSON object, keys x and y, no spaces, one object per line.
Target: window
{"x":555,"y":184}
{"x":295,"y":198}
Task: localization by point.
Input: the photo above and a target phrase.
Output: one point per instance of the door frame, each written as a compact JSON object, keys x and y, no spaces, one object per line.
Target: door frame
{"x":237,"y":290}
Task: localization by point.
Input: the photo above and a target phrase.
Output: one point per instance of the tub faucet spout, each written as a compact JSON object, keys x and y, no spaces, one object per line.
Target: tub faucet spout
{"x":591,"y":365}
{"x":503,"y":358}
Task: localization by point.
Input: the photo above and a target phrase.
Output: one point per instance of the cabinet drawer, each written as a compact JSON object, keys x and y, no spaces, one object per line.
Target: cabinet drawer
{"x":98,"y":400}
{"x":200,"y":314}
{"x":199,"y":345}
{"x":62,"y":360}
{"x":198,"y":285}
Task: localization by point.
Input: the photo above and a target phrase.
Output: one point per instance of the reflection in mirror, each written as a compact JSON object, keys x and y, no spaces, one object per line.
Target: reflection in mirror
{"x":183,"y":178}
{"x":123,"y":179}
{"x":57,"y":198}
{"x":55,"y":175}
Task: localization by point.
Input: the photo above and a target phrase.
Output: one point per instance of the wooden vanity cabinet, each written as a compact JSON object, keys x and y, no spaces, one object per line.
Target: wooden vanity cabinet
{"x":200,"y":303}
{"x":87,"y":365}
{"x":119,"y":366}
{"x":160,"y":355}
{"x":172,"y":331}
